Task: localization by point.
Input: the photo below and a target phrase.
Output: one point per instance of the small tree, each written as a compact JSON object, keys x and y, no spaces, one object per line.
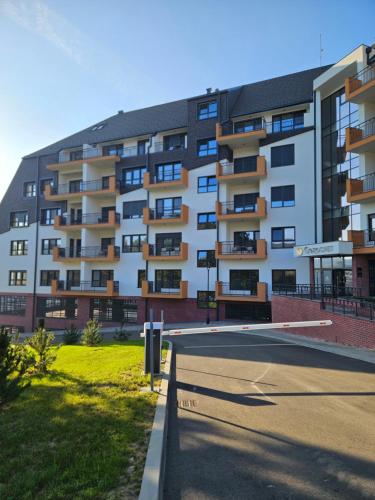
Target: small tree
{"x":71,"y":335}
{"x":91,"y":333}
{"x":14,"y":362}
{"x":41,"y":343}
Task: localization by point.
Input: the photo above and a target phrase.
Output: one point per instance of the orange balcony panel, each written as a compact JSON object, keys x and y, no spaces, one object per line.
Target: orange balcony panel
{"x":261,"y":294}
{"x":167,"y":256}
{"x":225,"y":173}
{"x":357,"y":142}
{"x":111,"y":290}
{"x":182,"y":218}
{"x":223,"y":213}
{"x":182,"y":293}
{"x":112,"y":222}
{"x":362,"y":245}
{"x":358,"y":91}
{"x":227,"y":251}
{"x":62,"y":196}
{"x":181,"y":183}
{"x":356,"y":193}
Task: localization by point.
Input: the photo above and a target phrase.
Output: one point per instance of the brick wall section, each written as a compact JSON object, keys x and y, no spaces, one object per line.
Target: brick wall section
{"x":346,"y":330}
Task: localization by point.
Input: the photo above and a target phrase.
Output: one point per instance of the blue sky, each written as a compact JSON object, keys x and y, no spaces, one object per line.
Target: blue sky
{"x":66,"y":64}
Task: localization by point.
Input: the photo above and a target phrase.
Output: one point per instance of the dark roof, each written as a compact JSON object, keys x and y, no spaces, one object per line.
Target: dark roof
{"x":279,"y":92}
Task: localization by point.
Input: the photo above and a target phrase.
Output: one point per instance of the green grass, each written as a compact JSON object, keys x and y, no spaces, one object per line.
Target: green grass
{"x":81,"y":431}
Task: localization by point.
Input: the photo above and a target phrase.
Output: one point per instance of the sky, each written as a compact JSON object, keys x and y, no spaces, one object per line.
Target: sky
{"x":67,"y":64}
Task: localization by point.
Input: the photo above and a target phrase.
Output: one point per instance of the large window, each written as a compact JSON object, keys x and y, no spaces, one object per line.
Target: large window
{"x":207,"y":147}
{"x":243,"y":279}
{"x":100,"y":277}
{"x":206,"y":300}
{"x":168,"y":207}
{"x":206,"y":258}
{"x":46,"y":277}
{"x":283,"y":279}
{"x":207,"y":110}
{"x":207,"y":184}
{"x":167,"y":172}
{"x":13,"y":305}
{"x":48,"y":245}
{"x":133,"y":209}
{"x":167,"y":279}
{"x":282,"y":156}
{"x":287,"y":121}
{"x":206,"y":220}
{"x":116,"y":310}
{"x":47,"y":215}
{"x":53,"y":307}
{"x":17,"y":278}
{"x":141,"y":147}
{"x":18,"y":247}
{"x":113,"y":150}
{"x":133,"y":176}
{"x":133,"y":242}
{"x":248,"y":125}
{"x":282,"y":196}
{"x":19,"y":219}
{"x":175,"y":141}
{"x":29,"y":189}
{"x":283,"y":237}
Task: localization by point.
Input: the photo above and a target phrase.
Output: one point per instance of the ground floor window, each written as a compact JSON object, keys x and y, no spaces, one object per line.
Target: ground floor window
{"x":13,"y":304}
{"x":53,"y":307}
{"x":117,"y":310}
{"x":283,"y":279}
{"x":335,"y":273}
{"x":206,"y":300}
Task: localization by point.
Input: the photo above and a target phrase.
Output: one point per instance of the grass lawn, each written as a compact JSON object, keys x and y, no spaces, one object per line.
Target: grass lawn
{"x":81,"y":431}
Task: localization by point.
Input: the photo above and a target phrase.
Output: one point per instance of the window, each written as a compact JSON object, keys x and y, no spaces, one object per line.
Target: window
{"x":246,"y":202}
{"x":207,"y":110}
{"x":29,"y":189}
{"x":48,"y":245}
{"x":281,"y":156}
{"x":167,"y":279}
{"x":243,"y":279}
{"x":113,"y":150}
{"x":117,"y":310}
{"x":141,"y":147}
{"x":207,"y":184}
{"x":248,"y":125}
{"x":206,"y":258}
{"x":99,"y":278}
{"x":283,"y":237}
{"x":76,"y":155}
{"x":282,"y":196}
{"x":207,"y":147}
{"x":168,"y":207}
{"x":133,"y":209}
{"x":166,"y":244}
{"x":18,"y":247}
{"x":73,"y":278}
{"x":173,"y":142}
{"x":76,"y":186}
{"x":206,"y":300}
{"x":47,"y":215}
{"x":17,"y":278}
{"x":46,"y":277}
{"x":245,"y":164}
{"x":133,"y":176}
{"x":206,"y":220}
{"x":283,"y":279}
{"x":13,"y":305}
{"x":287,"y":121}
{"x":168,"y":172}
{"x":60,"y":308}
{"x":44,"y":183}
{"x":19,"y":219}
{"x":133,"y":242}
{"x":141,"y":277}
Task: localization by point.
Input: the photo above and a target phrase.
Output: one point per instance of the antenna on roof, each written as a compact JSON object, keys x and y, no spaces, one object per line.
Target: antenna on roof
{"x":321,"y":50}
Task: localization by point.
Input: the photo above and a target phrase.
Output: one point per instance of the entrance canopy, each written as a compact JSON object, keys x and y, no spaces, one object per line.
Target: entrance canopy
{"x":324,"y":249}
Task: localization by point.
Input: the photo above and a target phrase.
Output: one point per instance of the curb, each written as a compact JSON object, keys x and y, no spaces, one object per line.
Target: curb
{"x":153,"y":473}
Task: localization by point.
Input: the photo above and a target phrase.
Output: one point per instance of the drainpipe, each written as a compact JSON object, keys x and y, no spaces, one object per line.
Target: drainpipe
{"x":148,"y":206}
{"x":36,"y":243}
{"x":315,"y":172}
{"x":218,"y":197}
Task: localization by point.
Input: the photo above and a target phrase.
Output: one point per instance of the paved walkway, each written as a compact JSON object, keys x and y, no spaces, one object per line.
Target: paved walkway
{"x":253,"y":416}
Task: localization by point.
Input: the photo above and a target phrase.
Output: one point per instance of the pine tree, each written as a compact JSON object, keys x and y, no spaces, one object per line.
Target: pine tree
{"x":41,"y":343}
{"x":91,"y":333}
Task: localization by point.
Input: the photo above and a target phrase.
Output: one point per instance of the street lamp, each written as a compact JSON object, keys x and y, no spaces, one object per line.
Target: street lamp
{"x":208,"y":293}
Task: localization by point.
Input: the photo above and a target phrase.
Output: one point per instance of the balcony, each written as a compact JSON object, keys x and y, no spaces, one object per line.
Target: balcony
{"x":363,"y":241}
{"x":251,"y":250}
{"x":72,"y":160}
{"x":361,"y":139}
{"x":158,"y":290}
{"x":86,"y":254}
{"x":231,"y":211}
{"x":178,"y":180}
{"x":163,"y":253}
{"x":172,"y":216}
{"x":254,"y":292}
{"x":84,"y":289}
{"x":361,"y":190}
{"x":227,"y":136}
{"x":91,"y":221}
{"x":360,"y":88}
{"x":252,"y":171}
{"x":100,"y":187}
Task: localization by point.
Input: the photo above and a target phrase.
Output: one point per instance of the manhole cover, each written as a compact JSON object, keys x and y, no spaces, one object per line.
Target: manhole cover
{"x":187,"y":403}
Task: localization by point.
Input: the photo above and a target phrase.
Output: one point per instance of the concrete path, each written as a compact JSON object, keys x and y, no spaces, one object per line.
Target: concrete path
{"x":255,"y":417}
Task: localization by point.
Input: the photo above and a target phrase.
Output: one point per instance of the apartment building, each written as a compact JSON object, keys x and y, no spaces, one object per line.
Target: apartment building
{"x":198,"y":207}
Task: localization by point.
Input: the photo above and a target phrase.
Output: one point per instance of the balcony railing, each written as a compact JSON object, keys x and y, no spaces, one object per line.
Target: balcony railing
{"x":365,"y":76}
{"x":178,"y":179}
{"x":173,"y":213}
{"x":247,"y":288}
{"x":359,"y":133}
{"x":367,"y":239}
{"x":88,"y":219}
{"x":232,"y":128}
{"x":165,"y":251}
{"x":85,"y":154}
{"x":87,"y":252}
{"x":87,"y":186}
{"x":359,"y":84}
{"x":87,"y":286}
{"x":159,"y":147}
{"x":316,"y":292}
{"x":230,"y":207}
{"x":165,"y":289}
{"x":368,"y":182}
{"x":235,"y":248}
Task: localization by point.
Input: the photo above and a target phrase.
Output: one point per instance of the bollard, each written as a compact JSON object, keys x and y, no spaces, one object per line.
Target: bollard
{"x":157,"y":327}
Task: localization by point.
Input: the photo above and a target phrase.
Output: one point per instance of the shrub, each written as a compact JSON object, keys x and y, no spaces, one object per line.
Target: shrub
{"x":71,"y":335}
{"x":91,"y":333}
{"x":15,"y":360}
{"x":120,"y":333}
{"x":41,"y":343}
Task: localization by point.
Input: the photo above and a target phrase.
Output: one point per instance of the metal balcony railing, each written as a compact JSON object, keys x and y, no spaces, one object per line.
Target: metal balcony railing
{"x":365,"y":76}
{"x":167,"y":287}
{"x":241,"y":289}
{"x":367,"y":128}
{"x":231,"y":207}
{"x":69,"y":220}
{"x":159,"y":147}
{"x":368,"y":182}
{"x":167,"y":177}
{"x":82,"y":187}
{"x":173,"y":213}
{"x":368,"y":239}
{"x":94,"y":251}
{"x":161,"y":250}
{"x":230,"y":168}
{"x":235,"y":248}
{"x":86,"y":286}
